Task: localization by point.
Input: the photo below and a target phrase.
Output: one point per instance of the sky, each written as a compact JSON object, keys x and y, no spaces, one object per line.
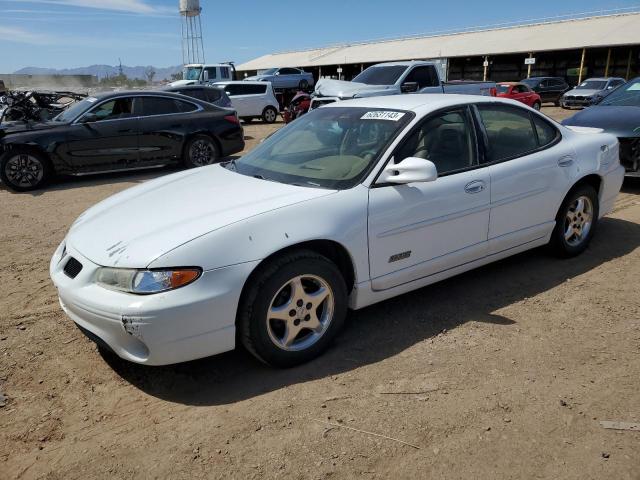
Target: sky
{"x":77,"y":33}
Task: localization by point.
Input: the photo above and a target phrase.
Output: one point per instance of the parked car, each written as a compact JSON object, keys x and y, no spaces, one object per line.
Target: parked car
{"x":393,"y":79}
{"x":252,"y":100}
{"x":618,"y":114}
{"x":590,"y":92}
{"x":298,"y":106}
{"x":207,"y":93}
{"x":203,"y":74}
{"x":285,"y":78}
{"x":117,"y":131}
{"x":349,"y":205}
{"x":550,"y":89}
{"x":519,"y":92}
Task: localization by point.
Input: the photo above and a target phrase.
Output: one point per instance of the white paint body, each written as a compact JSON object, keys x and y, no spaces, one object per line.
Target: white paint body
{"x":227,"y":223}
{"x":249,"y":104}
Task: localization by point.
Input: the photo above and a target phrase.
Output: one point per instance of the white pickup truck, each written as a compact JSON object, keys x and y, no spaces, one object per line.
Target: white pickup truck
{"x":393,"y":79}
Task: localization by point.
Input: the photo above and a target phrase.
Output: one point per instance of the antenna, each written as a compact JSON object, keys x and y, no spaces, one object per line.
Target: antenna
{"x":192,"y":45}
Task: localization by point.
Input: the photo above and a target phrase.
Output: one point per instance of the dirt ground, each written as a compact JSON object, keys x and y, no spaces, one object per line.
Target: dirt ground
{"x":501,"y":373}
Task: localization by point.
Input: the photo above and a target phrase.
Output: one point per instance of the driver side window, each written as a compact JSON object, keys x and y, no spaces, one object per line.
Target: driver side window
{"x":446,"y":139}
{"x":114,"y":109}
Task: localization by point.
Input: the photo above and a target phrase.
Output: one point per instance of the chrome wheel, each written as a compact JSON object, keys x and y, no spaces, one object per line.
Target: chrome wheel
{"x":578,"y":221}
{"x":201,"y":153}
{"x":300,"y":313}
{"x":24,"y":170}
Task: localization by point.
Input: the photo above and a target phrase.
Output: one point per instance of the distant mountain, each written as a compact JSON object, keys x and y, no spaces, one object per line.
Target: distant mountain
{"x":102,"y":71}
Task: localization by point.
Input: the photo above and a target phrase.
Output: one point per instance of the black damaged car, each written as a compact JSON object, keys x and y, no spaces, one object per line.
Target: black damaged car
{"x":114,"y":132}
{"x":619,"y":114}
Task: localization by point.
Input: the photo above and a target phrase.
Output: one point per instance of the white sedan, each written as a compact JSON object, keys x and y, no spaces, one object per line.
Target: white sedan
{"x":351,"y":204}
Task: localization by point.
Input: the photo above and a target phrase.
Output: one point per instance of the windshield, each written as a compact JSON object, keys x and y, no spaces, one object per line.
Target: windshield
{"x":75,"y":110}
{"x":331,"y":147}
{"x":502,"y":89}
{"x":271,"y":71}
{"x":386,"y":75}
{"x":627,"y":95}
{"x":592,"y":85}
{"x":191,"y":73}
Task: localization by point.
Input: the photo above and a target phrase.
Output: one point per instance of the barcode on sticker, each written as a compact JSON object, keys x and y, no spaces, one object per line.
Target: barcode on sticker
{"x":383,"y":115}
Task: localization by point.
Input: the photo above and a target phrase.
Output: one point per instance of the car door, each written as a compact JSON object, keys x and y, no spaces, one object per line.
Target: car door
{"x":420,"y":229}
{"x":543,"y":91}
{"x":426,"y":76}
{"x":529,"y":167}
{"x":164,"y":123}
{"x":105,"y":138}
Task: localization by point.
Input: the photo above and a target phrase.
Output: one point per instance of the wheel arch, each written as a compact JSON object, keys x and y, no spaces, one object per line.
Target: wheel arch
{"x":205,"y":133}
{"x":31,"y":147}
{"x":592,"y":179}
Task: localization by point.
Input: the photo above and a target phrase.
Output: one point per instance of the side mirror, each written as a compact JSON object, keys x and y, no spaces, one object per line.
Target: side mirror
{"x":89,"y":118}
{"x":409,"y":170}
{"x":409,"y":87}
{"x":205,"y":75}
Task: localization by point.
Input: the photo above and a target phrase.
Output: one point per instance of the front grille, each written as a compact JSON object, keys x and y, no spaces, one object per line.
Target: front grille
{"x":630,"y":153}
{"x":72,"y":268}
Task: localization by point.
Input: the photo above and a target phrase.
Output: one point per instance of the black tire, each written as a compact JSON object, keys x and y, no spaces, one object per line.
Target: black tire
{"x":559,"y":243}
{"x":269,"y":115}
{"x":200,"y":151}
{"x":303,"y":85}
{"x":537,"y":106}
{"x":24,"y":169}
{"x":557,"y":103}
{"x":256,"y":328}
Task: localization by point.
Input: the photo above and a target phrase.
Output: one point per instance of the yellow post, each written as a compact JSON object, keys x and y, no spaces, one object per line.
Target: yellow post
{"x":606,"y":69}
{"x":584,"y":52}
{"x":629,"y":65}
{"x":529,"y":66}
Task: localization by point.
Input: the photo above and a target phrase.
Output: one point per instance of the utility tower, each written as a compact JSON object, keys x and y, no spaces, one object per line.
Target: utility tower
{"x":192,"y":45}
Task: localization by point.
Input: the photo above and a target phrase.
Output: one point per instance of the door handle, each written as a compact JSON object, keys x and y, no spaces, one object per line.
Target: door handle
{"x":474,"y":187}
{"x":565,"y":161}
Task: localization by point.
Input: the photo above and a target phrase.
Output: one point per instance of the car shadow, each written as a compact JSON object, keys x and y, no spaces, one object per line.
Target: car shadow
{"x":388,"y":328}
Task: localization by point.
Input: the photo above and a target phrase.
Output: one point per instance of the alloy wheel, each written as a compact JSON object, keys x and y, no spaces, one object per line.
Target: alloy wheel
{"x":201,"y":153}
{"x":578,"y":221}
{"x":24,"y":170}
{"x":300,"y":313}
{"x":270,"y":115}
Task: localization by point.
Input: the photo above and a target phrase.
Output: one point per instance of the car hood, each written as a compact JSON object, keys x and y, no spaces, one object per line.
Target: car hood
{"x":583,"y":92}
{"x":7,"y":128}
{"x":135,"y":227}
{"x":339,"y":88}
{"x":620,"y":121}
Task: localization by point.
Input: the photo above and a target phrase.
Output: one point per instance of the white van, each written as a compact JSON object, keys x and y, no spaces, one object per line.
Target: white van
{"x":202,"y":74}
{"x":252,"y":99}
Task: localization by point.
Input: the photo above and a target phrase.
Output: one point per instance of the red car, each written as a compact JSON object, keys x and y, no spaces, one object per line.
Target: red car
{"x":520,"y":92}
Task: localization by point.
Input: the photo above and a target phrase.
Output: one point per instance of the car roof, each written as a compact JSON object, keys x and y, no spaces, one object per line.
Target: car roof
{"x":402,"y":64}
{"x":544,"y":78}
{"x":243,"y":82}
{"x":603,"y":79}
{"x":510,"y":83}
{"x":416,"y":101}
{"x":187,"y":87}
{"x":133,"y":93}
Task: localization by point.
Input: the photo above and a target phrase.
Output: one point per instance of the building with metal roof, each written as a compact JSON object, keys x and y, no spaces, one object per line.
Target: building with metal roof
{"x":603,"y":44}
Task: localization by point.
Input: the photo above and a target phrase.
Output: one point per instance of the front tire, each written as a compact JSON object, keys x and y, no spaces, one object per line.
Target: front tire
{"x":537,"y":106}
{"x":269,"y":115}
{"x":575,"y":222}
{"x":200,"y":151}
{"x":293,"y":308}
{"x":23,"y":170}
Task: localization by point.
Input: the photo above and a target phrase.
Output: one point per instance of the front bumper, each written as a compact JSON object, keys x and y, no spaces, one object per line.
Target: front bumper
{"x":184,"y":324}
{"x":576,"y":102}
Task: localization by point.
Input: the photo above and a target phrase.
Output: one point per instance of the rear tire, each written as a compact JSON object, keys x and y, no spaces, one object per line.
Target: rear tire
{"x":269,"y":115}
{"x":292,"y":309}
{"x":537,"y":106}
{"x":575,"y":222}
{"x":23,"y":169}
{"x":200,"y":151}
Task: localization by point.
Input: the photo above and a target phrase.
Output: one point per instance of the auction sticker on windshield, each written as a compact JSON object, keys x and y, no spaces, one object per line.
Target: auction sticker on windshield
{"x":383,"y":115}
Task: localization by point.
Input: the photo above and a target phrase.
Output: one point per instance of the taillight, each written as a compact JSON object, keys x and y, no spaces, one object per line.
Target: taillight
{"x":232,"y":118}
{"x":493,"y":92}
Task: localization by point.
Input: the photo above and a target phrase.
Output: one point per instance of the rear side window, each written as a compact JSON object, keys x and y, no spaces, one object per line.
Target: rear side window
{"x":212,"y":72}
{"x":510,"y":132}
{"x":245,"y":89}
{"x":224,"y":72}
{"x":212,"y":95}
{"x":165,"y":106}
{"x":547,"y":133}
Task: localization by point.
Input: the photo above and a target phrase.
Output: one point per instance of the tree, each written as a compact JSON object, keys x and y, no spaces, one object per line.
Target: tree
{"x":149,"y":72}
{"x":176,"y":76}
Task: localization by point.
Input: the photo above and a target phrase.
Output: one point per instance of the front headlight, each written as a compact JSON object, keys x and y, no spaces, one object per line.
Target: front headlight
{"x":145,"y":282}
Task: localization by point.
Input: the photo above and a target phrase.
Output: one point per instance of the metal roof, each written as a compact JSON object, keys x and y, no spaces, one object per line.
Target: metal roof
{"x":590,"y":32}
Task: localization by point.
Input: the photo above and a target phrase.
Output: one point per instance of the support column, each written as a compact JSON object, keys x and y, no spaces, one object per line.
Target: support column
{"x":584,"y":53}
{"x":606,"y":69}
{"x":529,"y":66}
{"x":629,"y":64}
{"x":485,"y":64}
{"x":361,"y":67}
